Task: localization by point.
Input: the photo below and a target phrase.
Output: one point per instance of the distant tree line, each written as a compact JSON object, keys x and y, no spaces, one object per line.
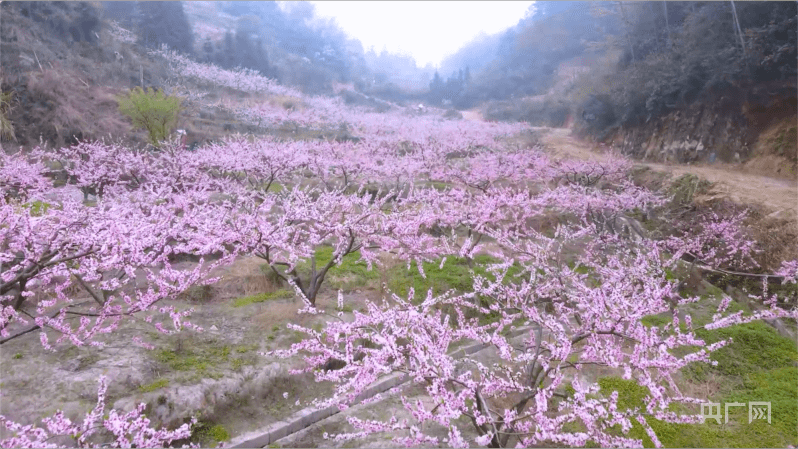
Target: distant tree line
{"x":156,"y":23}
{"x":657,"y":56}
{"x":676,"y":53}
{"x":522,"y":60}
{"x":450,"y":92}
{"x":289,"y":44}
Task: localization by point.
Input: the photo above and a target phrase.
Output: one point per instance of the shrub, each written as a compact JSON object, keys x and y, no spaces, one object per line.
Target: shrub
{"x":6,"y":127}
{"x":210,"y":435}
{"x":152,"y":111}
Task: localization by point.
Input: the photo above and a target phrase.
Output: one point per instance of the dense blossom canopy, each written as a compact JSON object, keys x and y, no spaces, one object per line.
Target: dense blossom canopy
{"x":555,"y":300}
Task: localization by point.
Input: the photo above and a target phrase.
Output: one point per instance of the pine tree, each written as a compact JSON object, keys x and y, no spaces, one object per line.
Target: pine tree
{"x":261,"y":59}
{"x":436,"y":89}
{"x":208,"y":50}
{"x":226,"y":58}
{"x":164,"y":23}
{"x":243,"y":50}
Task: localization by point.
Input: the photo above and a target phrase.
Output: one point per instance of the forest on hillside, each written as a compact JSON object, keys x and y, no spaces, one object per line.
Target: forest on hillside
{"x":617,"y":71}
{"x":645,"y":59}
{"x":683,"y":81}
{"x":105,"y":44}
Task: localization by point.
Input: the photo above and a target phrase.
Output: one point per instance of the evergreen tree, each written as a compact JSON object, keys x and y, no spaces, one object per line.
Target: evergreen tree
{"x":122,"y":12}
{"x":261,"y":59}
{"x":243,"y":50}
{"x":227,"y":57}
{"x":436,"y":89}
{"x":208,"y":51}
{"x":164,"y":23}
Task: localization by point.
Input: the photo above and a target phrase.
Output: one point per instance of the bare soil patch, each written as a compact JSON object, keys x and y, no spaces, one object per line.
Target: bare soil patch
{"x":218,"y":375}
{"x":780,"y":196}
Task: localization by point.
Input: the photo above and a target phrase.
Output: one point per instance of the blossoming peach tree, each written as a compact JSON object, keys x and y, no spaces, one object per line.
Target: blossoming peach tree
{"x":553,"y":305}
{"x":52,"y":244}
{"x":130,"y":429}
{"x":550,"y":313}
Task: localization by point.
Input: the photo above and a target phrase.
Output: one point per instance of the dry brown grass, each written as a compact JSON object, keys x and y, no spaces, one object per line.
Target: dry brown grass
{"x":232,"y":98}
{"x":244,"y":277}
{"x":340,"y":87}
{"x":73,"y":107}
{"x":712,"y":386}
{"x":274,"y":313}
{"x":286,"y":102}
{"x":776,"y":151}
{"x":775,"y":236}
{"x":65,"y":88}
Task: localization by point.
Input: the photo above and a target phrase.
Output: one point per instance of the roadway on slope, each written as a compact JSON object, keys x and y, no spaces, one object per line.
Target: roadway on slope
{"x":778,"y":195}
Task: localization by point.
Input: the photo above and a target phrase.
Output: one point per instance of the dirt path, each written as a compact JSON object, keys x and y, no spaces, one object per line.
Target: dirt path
{"x":473,"y":115}
{"x":778,"y":195}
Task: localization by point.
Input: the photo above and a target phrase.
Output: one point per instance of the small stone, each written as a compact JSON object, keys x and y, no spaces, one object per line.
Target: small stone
{"x":214,"y":328}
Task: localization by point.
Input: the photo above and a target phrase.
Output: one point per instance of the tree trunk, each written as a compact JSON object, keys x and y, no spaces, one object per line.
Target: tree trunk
{"x":739,"y":32}
{"x":667,"y":25}
{"x":626,"y":26}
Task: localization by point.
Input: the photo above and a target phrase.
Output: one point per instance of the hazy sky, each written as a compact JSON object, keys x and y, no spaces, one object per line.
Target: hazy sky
{"x":427,"y":30}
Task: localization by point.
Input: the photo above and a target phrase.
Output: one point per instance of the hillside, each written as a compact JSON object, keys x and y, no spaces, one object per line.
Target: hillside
{"x":686,"y":82}
{"x":64,"y":63}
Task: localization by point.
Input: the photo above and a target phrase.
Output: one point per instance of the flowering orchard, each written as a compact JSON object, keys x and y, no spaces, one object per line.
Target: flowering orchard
{"x":78,"y":257}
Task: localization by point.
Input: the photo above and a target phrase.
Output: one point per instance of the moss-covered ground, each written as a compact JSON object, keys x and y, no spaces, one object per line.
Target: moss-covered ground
{"x":759,"y":365}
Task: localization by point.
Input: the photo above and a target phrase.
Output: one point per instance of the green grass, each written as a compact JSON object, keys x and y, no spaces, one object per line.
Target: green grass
{"x":38,"y":208}
{"x":353,"y":273}
{"x":193,"y":360}
{"x":243,"y":349}
{"x":757,"y":366}
{"x":656,"y":320}
{"x":350,"y":274}
{"x":755,"y":347}
{"x":156,"y":385}
{"x":700,"y":312}
{"x":580,"y":269}
{"x":263,"y":297}
{"x":205,"y":360}
{"x":778,"y":386}
{"x":686,"y":187}
{"x":438,"y":185}
{"x":210,"y":436}
{"x":237,"y":364}
{"x":454,"y":275}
